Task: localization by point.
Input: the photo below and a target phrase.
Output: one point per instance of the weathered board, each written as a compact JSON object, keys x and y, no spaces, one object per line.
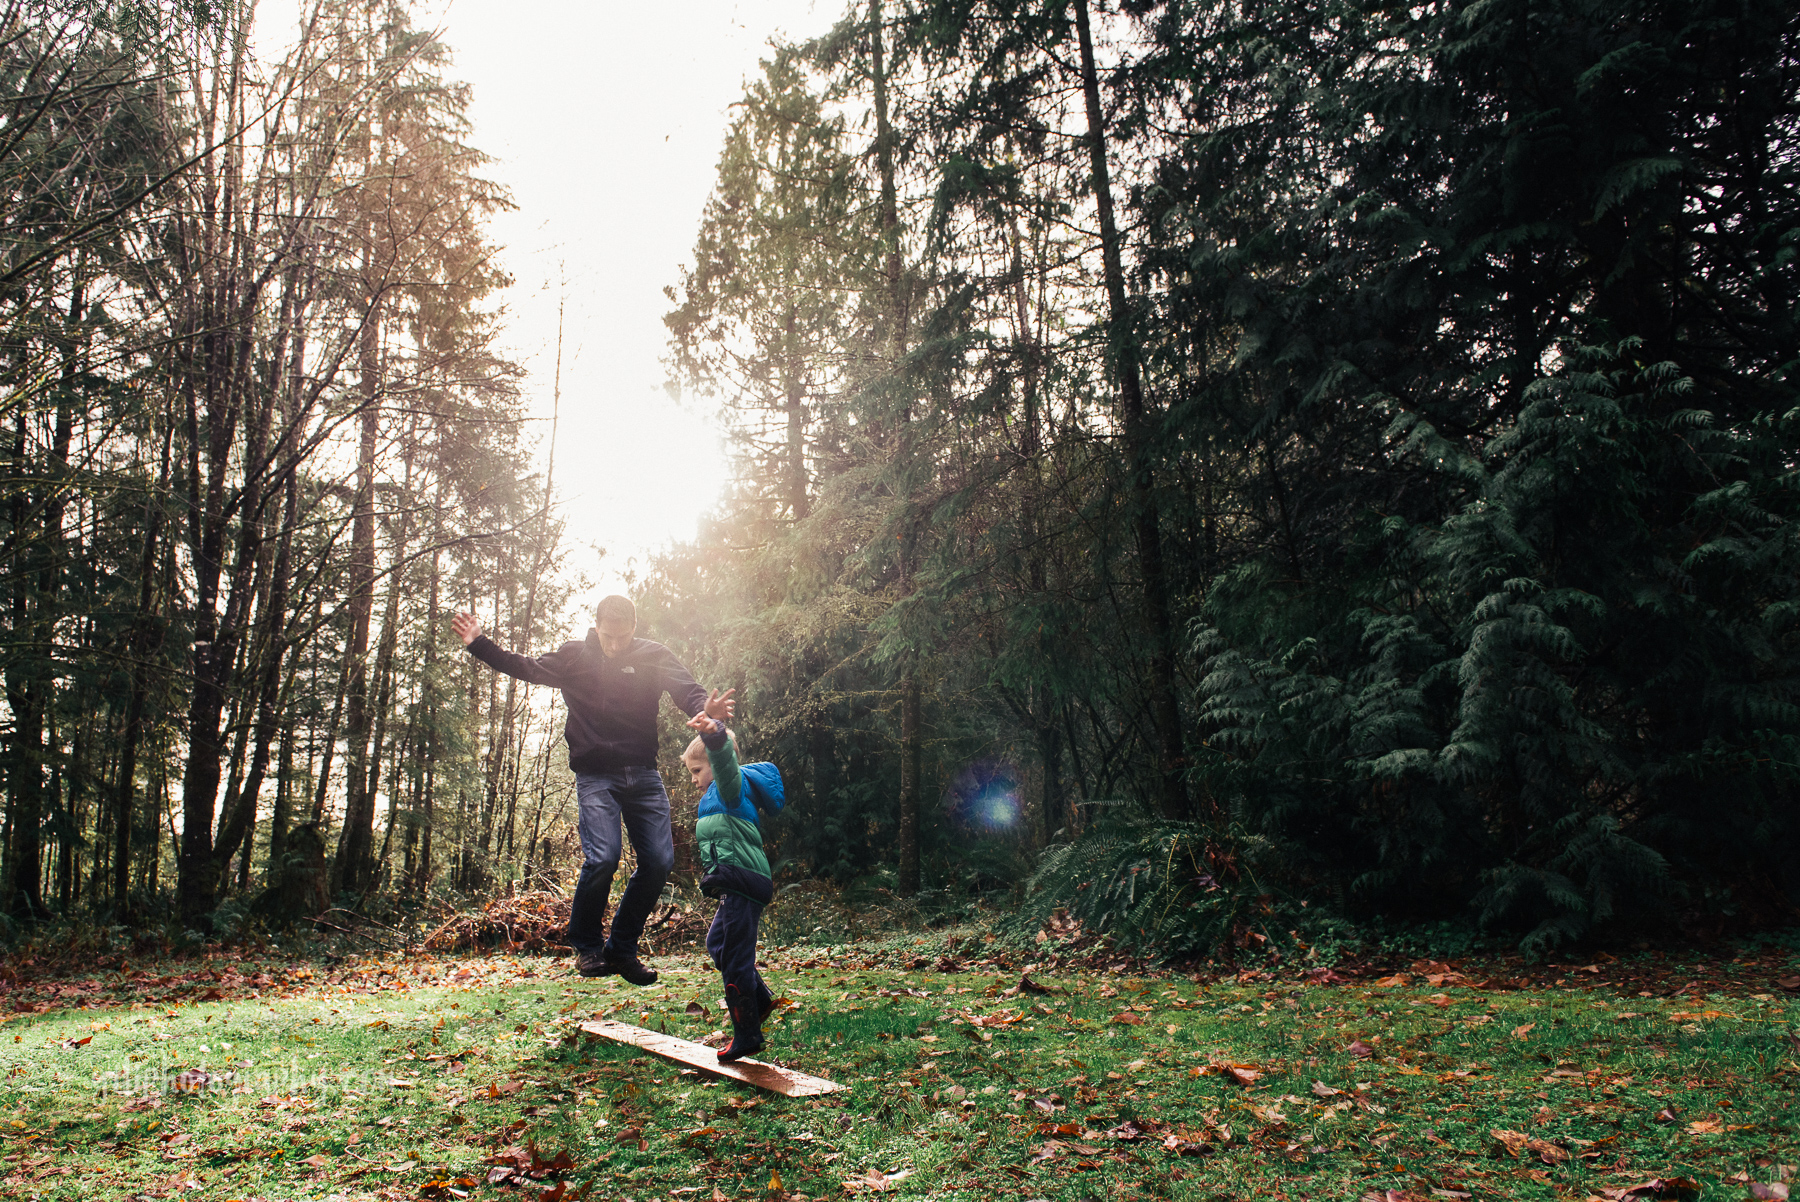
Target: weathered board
{"x":771,"y":1077}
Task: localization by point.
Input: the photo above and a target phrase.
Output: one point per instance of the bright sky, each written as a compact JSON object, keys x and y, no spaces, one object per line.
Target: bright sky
{"x":606,"y":122}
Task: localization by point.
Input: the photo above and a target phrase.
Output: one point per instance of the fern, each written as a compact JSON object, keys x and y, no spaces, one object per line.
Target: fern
{"x":1152,"y":886}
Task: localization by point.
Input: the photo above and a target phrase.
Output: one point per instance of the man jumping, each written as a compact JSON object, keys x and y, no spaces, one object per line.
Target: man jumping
{"x":613,"y":683}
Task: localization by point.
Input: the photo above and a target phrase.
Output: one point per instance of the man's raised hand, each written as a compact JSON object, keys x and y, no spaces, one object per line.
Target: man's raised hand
{"x":720,"y":707}
{"x":467,"y":628}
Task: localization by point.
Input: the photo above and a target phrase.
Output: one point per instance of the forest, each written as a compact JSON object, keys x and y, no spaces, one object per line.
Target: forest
{"x":1231,"y":473}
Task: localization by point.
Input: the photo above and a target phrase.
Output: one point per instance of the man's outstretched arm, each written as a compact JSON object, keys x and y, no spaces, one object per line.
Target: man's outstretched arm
{"x":536,"y":671}
{"x":679,"y":683}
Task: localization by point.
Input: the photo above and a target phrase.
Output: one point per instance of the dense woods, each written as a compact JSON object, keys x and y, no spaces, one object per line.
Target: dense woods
{"x":1225,"y":469}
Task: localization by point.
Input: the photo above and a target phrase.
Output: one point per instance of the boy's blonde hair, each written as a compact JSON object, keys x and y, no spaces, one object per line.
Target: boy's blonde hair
{"x":696,"y":750}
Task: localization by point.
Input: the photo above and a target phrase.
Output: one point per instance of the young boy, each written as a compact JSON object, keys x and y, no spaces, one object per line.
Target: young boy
{"x":735,"y":871}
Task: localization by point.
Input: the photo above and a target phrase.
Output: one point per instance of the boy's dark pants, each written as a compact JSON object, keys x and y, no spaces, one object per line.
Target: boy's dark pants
{"x":731,"y":940}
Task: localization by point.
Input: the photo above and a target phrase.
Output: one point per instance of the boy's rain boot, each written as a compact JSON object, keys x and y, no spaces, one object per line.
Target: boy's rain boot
{"x":765,"y":1002}
{"x":746,"y":1027}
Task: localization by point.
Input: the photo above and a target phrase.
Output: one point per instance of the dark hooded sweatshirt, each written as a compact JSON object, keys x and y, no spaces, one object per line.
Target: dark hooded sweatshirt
{"x":612,"y":702}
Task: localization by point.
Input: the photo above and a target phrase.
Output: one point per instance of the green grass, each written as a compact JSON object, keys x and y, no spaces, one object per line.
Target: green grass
{"x":373,"y":1085}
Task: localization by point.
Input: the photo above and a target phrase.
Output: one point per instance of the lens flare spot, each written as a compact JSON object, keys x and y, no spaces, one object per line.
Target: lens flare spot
{"x":984,"y":796}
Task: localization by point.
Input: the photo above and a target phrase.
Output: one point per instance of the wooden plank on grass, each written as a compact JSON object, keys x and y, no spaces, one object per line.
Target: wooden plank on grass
{"x":771,"y":1077}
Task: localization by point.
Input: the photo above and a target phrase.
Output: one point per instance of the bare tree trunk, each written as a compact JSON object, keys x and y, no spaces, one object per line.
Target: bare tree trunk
{"x":356,"y":840}
{"x":322,"y":786}
{"x":384,"y":691}
{"x":240,"y":824}
{"x":909,"y":784}
{"x":1164,"y":703}
{"x":281,"y":816}
{"x":144,"y":643}
{"x":898,"y":303}
{"x":25,"y":772}
{"x":421,"y":877}
{"x":215,"y":363}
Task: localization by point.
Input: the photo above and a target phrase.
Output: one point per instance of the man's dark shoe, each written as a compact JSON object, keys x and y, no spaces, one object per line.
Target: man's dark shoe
{"x":631,"y":968}
{"x":592,"y":964}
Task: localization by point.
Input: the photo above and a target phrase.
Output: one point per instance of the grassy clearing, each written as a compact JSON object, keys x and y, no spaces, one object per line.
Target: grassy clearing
{"x":425,"y":1077}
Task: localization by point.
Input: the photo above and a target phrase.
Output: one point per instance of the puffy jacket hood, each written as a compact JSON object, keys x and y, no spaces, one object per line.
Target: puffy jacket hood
{"x":766,"y":788}
{"x":763,"y":790}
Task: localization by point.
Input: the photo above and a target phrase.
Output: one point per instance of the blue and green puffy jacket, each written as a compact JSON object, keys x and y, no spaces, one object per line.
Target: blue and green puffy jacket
{"x":729,"y":828}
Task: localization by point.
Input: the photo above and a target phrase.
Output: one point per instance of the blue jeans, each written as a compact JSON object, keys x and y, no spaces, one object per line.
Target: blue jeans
{"x":635,"y":795}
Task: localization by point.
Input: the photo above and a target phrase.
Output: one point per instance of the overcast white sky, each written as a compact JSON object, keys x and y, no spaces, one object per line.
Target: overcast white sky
{"x":605,"y":121}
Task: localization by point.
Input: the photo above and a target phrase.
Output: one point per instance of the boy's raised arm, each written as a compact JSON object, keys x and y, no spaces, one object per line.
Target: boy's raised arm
{"x":721,"y":751}
{"x":540,"y":670}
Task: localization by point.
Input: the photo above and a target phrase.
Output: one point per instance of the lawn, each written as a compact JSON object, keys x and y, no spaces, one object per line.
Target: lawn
{"x":434,"y":1076}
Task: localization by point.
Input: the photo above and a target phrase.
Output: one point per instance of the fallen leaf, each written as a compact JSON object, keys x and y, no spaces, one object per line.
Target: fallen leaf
{"x":1360,"y":1050}
{"x":1522,"y":1031}
{"x":1775,"y":1190}
{"x":1705,"y":1127}
{"x":78,"y":1043}
{"x":1510,"y":1143}
{"x":1547,"y":1152}
{"x":696,"y":1010}
{"x":317,"y":1161}
{"x":1398,"y":979}
{"x":1324,"y":1090}
{"x":1242,"y":1074}
{"x":1128,"y":1018}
